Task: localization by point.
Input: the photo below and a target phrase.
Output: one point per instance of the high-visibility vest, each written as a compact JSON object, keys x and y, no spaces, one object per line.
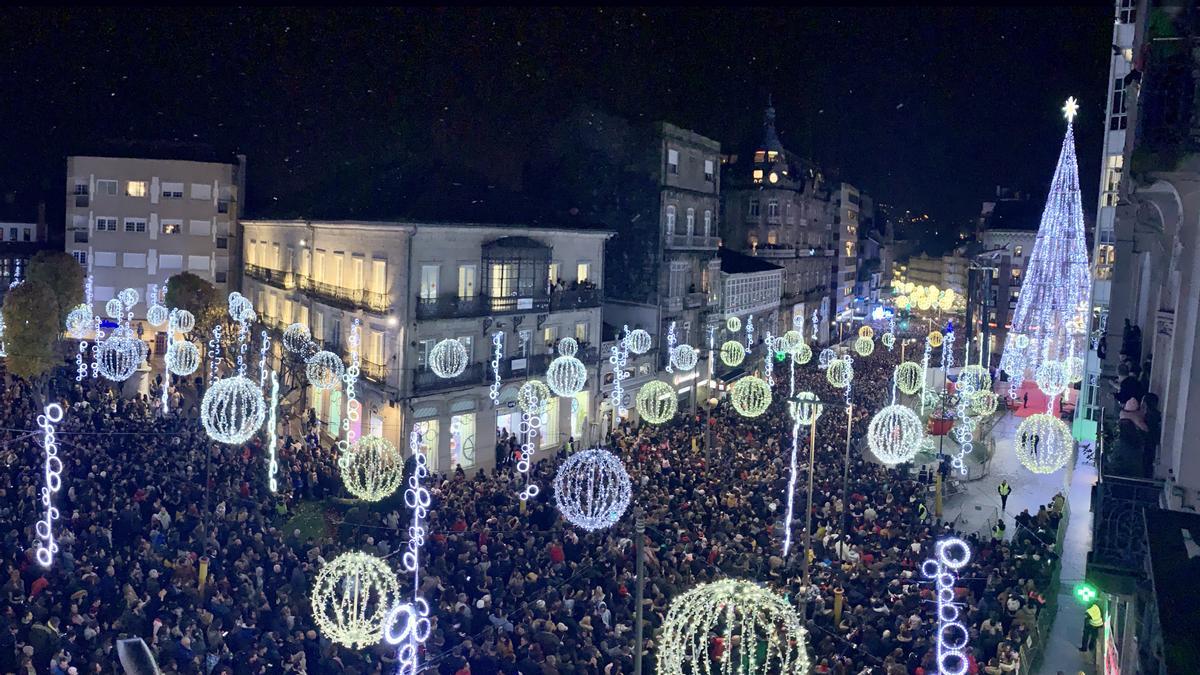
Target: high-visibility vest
{"x":1095,"y":616}
{"x":922,"y":512}
{"x":1004,"y":489}
{"x":997,"y":533}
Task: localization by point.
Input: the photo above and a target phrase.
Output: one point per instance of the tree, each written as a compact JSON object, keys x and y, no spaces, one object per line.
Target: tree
{"x":188,"y":291}
{"x":31,"y":333}
{"x":61,"y":275}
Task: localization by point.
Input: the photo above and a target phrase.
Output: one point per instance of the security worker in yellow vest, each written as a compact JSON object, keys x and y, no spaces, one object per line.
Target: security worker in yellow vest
{"x":998,"y":531}
{"x":1092,"y":621}
{"x":922,"y":512}
{"x":1004,"y":489}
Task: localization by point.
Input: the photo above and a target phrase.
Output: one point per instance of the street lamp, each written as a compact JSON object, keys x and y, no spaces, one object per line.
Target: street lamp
{"x":711,"y":404}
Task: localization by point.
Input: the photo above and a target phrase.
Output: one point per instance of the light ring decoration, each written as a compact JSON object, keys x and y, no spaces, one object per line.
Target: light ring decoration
{"x":826,"y":357}
{"x":807,"y":409}
{"x":157,"y":315}
{"x":566,"y":376}
{"x":448,"y":358}
{"x":975,"y":377}
{"x":952,"y":636}
{"x":79,"y":321}
{"x":750,"y":396}
{"x":497,"y":355}
{"x":373,"y":469}
{"x":1052,"y":377}
{"x":908,"y":377}
{"x":296,"y":338}
{"x":732,"y":353}
{"x":352,"y":596}
{"x":935,"y":338}
{"x":407,"y":626}
{"x":866,"y":332}
{"x":1043,"y":443}
{"x":592,"y":489}
{"x":895,"y":434}
{"x":533,"y":396}
{"x":889,"y":340}
{"x":119,"y":356}
{"x":803,"y":354}
{"x":766,"y":625}
{"x":273,"y":438}
{"x":568,"y":346}
{"x":185,"y":321}
{"x":864,"y":346}
{"x":840,"y":373}
{"x":790,"y":341}
{"x":656,"y":402}
{"x":47,"y":546}
{"x":639,"y":341}
{"x":733,"y":324}
{"x":1074,"y":366}
{"x":233,"y":410}
{"x":984,"y":403}
{"x":183,"y":357}
{"x":324,"y":370}
{"x":685,"y":357}
{"x":114,"y":309}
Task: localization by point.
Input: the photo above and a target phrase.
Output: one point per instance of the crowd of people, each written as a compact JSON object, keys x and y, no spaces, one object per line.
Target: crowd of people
{"x":514,"y":588}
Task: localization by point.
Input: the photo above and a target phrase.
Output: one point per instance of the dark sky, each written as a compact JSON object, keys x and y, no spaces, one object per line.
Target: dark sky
{"x":928,"y":109}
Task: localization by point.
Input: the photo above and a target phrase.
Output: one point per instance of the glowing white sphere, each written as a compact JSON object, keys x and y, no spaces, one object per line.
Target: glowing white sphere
{"x":750,"y":396}
{"x":733,"y":324}
{"x":114,"y":309}
{"x":790,"y":341}
{"x":803,"y":354}
{"x":888,"y":340}
{"x":566,"y":376}
{"x":685,"y":357}
{"x":866,"y":332}
{"x":984,"y":403}
{"x":324,"y":370}
{"x":352,"y":596}
{"x":638,"y":341}
{"x":864,"y":345}
{"x":826,"y":357}
{"x":240,"y":308}
{"x":765,"y":627}
{"x":233,"y":409}
{"x":1051,"y":377}
{"x":656,"y":402}
{"x":183,"y":357}
{"x":935,"y":338}
{"x":448,"y":358}
{"x":732,"y":353}
{"x":895,"y":434}
{"x":975,"y":377}
{"x":592,"y":489}
{"x":296,"y":338}
{"x":157,"y":315}
{"x":372,"y":469}
{"x":119,"y":357}
{"x":1074,"y":366}
{"x":128,"y":297}
{"x":1021,"y":341}
{"x":568,"y":346}
{"x":79,"y":321}
{"x":807,"y":409}
{"x":908,"y":377}
{"x":1043,"y":443}
{"x":185,"y":321}
{"x":840,"y":373}
{"x":533,"y":396}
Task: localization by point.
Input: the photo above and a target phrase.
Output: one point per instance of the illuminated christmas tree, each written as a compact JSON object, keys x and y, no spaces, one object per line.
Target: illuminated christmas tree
{"x":1050,"y":321}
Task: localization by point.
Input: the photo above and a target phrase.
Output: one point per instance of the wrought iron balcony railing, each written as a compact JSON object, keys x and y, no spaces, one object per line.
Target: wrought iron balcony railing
{"x":425,"y":381}
{"x":278,"y":279}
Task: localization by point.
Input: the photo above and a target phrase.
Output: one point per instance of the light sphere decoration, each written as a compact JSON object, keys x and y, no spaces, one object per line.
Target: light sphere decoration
{"x":839,"y":373}
{"x":157,"y":315}
{"x":1052,"y":377}
{"x":1021,"y":341}
{"x":639,"y":341}
{"x":888,"y":340}
{"x":866,"y":332}
{"x":568,"y":346}
{"x":128,"y":297}
{"x":1043,"y":443}
{"x":352,"y":596}
{"x":732,"y":353}
{"x":448,"y":358}
{"x":185,"y":321}
{"x":803,"y":354}
{"x":296,"y":337}
{"x":1074,"y":366}
{"x":791,"y":341}
{"x":827,"y":357}
{"x":533,"y":396}
{"x":79,"y":321}
{"x":984,"y":403}
{"x":895,"y":434}
{"x":592,"y":489}
{"x":769,"y":632}
{"x":566,"y":376}
{"x":807,"y":408}
{"x":372,"y":469}
{"x":935,"y":338}
{"x":119,"y":356}
{"x":975,"y":377}
{"x":864,"y":346}
{"x":685,"y":357}
{"x":240,"y":308}
{"x":324,"y":370}
{"x":183,"y":357}
{"x":750,"y":396}
{"x":924,"y":302}
{"x":114,"y":309}
{"x":233,"y":410}
{"x":733,"y":324}
{"x":656,"y":402}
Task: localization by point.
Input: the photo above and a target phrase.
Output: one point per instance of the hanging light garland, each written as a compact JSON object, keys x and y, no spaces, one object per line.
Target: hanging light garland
{"x":352,"y":596}
{"x":732,"y":353}
{"x":373,"y":469}
{"x":750,"y":334}
{"x":864,"y":346}
{"x":764,"y":627}
{"x":448,"y":358}
{"x":839,"y":373}
{"x":895,"y":434}
{"x":619,"y":359}
{"x":750,"y":396}
{"x":272,"y":437}
{"x":685,"y":357}
{"x":566,"y":376}
{"x":952,"y":636}
{"x":497,"y":354}
{"x":47,"y":546}
{"x":297,"y":338}
{"x":639,"y":341}
{"x":805,"y":411}
{"x":592,"y":489}
{"x":325,"y":370}
{"x":670,"y":347}
{"x":407,"y":625}
{"x":655,"y":402}
{"x":1043,"y":443}
{"x":888,"y":340}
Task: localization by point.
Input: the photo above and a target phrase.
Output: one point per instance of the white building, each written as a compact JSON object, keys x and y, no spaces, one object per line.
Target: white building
{"x":413,"y":284}
{"x":847,"y":204}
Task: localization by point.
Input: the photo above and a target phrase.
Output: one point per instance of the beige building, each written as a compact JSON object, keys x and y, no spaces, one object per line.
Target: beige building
{"x":847,"y":205}
{"x":133,"y":223}
{"x":413,"y":284}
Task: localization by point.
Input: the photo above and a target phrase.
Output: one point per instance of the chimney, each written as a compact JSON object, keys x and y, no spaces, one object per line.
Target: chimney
{"x":41,"y":222}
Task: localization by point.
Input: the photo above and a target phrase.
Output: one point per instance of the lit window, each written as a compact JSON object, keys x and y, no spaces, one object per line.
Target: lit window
{"x":135,"y":188}
{"x":758,"y":175}
{"x":707,"y":222}
{"x":673,"y":162}
{"x":772,"y":237}
{"x":171,"y":226}
{"x":670,"y":219}
{"x":709,"y":170}
{"x":1017,"y":251}
{"x":691,"y":220}
{"x":1016,"y":273}
{"x":581,"y":272}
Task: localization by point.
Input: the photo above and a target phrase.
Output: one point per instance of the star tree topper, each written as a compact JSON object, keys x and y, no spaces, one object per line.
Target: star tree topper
{"x":1070,"y":109}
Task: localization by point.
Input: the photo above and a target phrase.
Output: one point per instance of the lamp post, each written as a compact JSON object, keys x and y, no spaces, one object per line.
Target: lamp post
{"x":710,"y":404}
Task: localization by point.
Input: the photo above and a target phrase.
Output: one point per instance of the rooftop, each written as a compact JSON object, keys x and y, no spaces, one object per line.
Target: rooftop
{"x":733,"y":262}
{"x":179,"y":151}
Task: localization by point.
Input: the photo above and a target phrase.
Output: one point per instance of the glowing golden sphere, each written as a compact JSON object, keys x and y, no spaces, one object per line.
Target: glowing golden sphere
{"x":935,"y":339}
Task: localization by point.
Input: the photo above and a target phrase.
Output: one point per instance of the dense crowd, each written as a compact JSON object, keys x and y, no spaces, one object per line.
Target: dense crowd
{"x":514,"y":588}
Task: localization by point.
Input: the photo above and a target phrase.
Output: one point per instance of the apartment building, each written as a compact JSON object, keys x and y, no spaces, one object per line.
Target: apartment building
{"x":412,"y":284}
{"x":133,"y":222}
{"x":847,"y":211}
{"x":1008,"y":224}
{"x":20,"y":241}
{"x":750,"y":290}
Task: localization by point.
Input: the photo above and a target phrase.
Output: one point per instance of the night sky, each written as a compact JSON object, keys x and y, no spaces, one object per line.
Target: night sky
{"x":928,"y":109}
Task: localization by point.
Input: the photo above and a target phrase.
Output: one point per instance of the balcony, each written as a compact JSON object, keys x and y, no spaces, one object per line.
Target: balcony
{"x":375,"y":372}
{"x":694,"y":300}
{"x":692,"y":241}
{"x":579,"y":298}
{"x":522,"y":366}
{"x":425,"y":381}
{"x":454,"y":307}
{"x":345,"y":298}
{"x":284,"y":280}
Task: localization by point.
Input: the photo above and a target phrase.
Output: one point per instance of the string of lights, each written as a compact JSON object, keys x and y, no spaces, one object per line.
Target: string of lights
{"x":51,"y":415}
{"x":952,"y":554}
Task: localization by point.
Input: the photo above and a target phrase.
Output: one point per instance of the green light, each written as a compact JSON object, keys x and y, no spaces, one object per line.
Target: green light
{"x":780,"y":356}
{"x":1085,"y":593}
